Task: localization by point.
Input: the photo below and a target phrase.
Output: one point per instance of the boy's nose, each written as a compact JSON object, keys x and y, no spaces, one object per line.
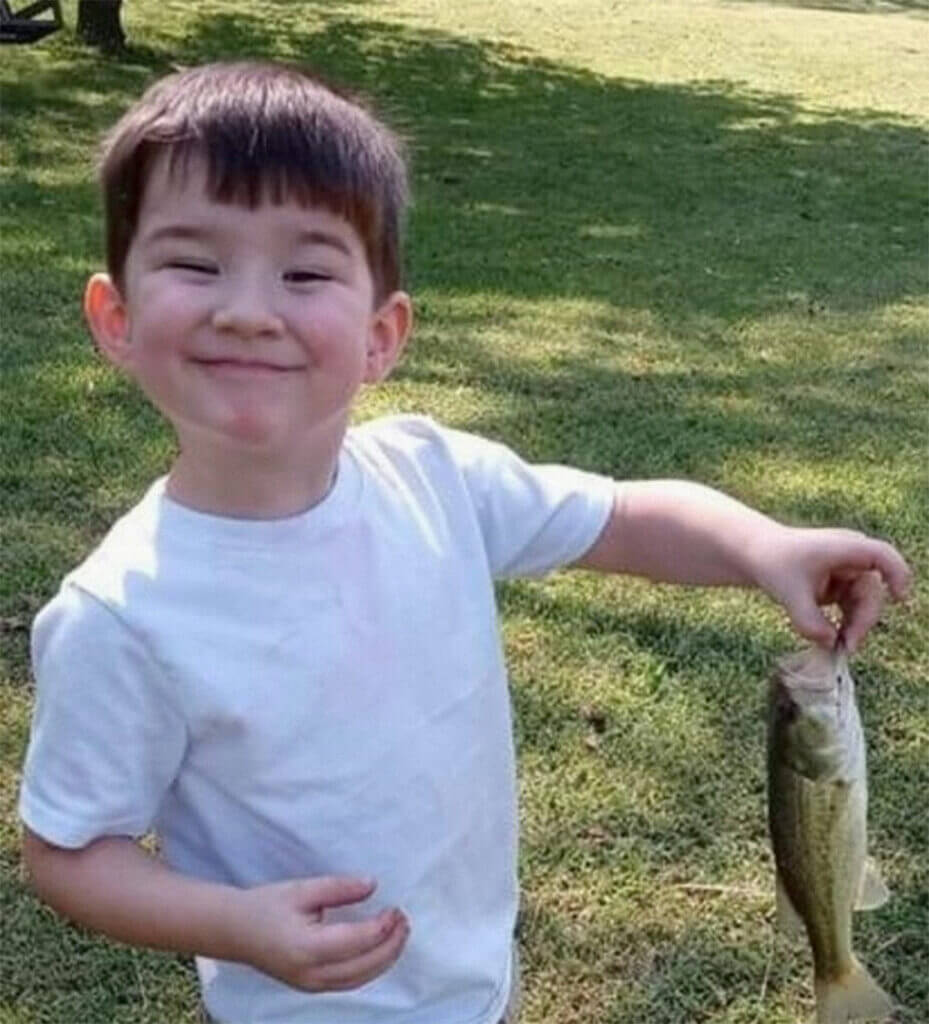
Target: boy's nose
{"x":246,"y":312}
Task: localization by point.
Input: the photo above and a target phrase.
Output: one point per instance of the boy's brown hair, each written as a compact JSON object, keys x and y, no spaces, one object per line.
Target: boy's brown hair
{"x":266,"y":132}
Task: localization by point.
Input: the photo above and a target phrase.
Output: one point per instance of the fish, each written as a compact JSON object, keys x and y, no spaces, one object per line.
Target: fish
{"x":817,"y":818}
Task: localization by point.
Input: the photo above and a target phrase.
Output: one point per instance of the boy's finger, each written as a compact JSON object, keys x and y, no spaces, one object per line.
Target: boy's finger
{"x":342,"y":942}
{"x":334,"y":891}
{"x":861,"y":609}
{"x":893,"y":568}
{"x":883,"y":558}
{"x":357,"y":970}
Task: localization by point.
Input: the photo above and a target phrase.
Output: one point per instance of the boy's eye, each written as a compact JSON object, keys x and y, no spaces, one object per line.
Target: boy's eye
{"x":201,"y":268}
{"x":305,"y":276}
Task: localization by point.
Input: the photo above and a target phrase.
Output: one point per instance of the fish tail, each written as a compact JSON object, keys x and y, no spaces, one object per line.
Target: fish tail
{"x":854,"y":995}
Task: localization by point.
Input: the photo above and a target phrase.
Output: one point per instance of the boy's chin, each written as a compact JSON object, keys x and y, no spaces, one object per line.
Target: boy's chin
{"x":253,"y":431}
{"x":245,"y":434}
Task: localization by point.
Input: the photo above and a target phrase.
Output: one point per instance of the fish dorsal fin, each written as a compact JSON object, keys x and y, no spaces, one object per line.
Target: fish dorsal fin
{"x":872,"y":893}
{"x":788,"y":920}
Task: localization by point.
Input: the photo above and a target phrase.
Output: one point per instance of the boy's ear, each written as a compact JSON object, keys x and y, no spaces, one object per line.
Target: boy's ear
{"x":107,"y":318}
{"x":390,"y":327}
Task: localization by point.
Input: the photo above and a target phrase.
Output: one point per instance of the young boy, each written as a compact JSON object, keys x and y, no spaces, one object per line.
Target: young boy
{"x":285,"y":659}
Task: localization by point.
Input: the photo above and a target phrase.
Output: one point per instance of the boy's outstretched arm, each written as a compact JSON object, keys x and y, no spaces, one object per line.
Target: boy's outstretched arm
{"x":679,"y":532}
{"x":114,"y":887}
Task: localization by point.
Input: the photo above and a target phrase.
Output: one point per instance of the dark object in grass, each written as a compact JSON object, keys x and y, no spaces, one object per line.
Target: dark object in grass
{"x":594,"y":717}
{"x":98,"y":24}
{"x":24,"y":26}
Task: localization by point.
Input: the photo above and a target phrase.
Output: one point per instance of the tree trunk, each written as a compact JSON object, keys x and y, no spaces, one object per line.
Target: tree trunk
{"x":98,"y":23}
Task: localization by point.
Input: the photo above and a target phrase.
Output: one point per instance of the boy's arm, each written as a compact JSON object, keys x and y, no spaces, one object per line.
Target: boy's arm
{"x":113,"y":886}
{"x":679,"y":532}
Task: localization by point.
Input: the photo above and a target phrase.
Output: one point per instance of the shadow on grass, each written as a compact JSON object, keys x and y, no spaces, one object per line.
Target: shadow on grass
{"x":703,"y":207}
{"x":688,"y":421}
{"x":683,"y":200}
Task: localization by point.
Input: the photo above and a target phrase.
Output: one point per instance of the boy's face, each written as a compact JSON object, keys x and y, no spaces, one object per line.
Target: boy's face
{"x":250,"y":327}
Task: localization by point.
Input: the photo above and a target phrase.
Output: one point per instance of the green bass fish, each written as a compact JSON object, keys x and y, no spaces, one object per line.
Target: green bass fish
{"x":817,"y":812}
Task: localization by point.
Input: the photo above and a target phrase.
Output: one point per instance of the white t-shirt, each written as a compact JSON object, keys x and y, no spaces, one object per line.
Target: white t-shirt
{"x":322,"y":694}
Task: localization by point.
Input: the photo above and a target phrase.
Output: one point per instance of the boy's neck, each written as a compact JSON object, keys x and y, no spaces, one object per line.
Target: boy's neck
{"x":222,"y":485}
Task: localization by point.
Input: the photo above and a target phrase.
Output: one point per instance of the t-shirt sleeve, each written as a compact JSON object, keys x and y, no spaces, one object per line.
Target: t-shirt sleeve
{"x":105,"y":743}
{"x":534,"y":518}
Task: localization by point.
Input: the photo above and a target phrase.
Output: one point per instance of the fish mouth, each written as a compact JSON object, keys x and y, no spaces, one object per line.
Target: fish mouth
{"x":813,"y":668}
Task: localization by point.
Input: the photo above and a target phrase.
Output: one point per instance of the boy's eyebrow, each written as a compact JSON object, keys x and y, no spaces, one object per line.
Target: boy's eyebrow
{"x":178,"y":231}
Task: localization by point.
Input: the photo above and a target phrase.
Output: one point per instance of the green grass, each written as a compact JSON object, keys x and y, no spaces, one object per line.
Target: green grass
{"x":661,"y":238}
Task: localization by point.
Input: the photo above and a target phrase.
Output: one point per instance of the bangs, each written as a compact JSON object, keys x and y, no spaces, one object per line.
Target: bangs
{"x":275,"y":171}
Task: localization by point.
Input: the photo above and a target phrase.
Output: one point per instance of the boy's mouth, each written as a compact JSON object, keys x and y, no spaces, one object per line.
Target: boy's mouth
{"x":246,"y":366}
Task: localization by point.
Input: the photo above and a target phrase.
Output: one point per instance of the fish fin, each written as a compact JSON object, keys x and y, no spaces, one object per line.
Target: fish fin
{"x":853,"y":996}
{"x":872,"y":893}
{"x":788,"y":920}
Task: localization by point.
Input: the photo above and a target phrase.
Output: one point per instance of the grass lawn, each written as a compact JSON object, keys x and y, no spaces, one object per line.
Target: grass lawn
{"x":652,"y":238}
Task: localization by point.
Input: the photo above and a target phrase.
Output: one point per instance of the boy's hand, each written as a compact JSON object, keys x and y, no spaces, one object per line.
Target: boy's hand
{"x":281,"y":931}
{"x":806,"y":569}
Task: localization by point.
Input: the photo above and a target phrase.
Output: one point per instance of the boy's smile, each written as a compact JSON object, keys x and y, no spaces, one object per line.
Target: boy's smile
{"x":252,"y":330}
